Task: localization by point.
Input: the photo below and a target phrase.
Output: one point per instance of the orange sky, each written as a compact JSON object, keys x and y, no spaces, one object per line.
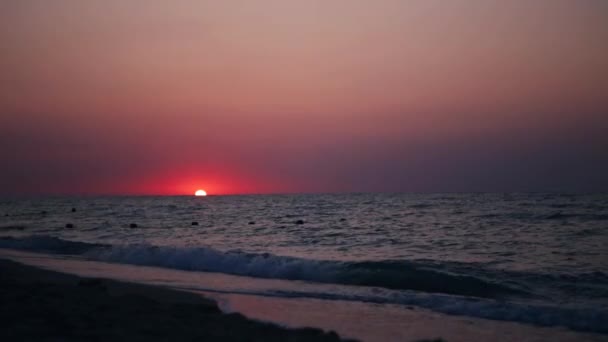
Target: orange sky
{"x":299,"y":96}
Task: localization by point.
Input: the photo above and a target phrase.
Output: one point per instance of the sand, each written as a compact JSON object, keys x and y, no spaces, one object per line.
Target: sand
{"x":41,"y":305}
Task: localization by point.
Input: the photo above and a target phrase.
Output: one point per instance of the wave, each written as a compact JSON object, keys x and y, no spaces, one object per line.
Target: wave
{"x":49,"y":244}
{"x":387,"y":274}
{"x":575,"y":318}
{"x":398,"y":275}
{"x":580,"y":319}
{"x":438,"y":290}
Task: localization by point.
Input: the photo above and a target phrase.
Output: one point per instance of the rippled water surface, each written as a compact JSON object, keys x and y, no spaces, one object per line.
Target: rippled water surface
{"x":549,"y":249}
{"x":513,"y":231}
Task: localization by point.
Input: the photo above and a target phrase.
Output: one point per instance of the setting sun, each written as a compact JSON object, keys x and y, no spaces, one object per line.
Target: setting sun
{"x":200,"y":192}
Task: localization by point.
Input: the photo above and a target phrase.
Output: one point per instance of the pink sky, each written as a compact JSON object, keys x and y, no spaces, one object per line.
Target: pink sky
{"x":303,"y":96}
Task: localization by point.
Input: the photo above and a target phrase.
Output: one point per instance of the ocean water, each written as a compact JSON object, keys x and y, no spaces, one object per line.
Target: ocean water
{"x":539,"y":259}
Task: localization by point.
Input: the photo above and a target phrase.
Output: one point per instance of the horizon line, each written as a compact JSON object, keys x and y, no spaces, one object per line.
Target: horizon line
{"x":51,"y":194}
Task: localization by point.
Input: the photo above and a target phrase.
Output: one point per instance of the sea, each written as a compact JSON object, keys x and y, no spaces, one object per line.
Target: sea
{"x":531,"y":259}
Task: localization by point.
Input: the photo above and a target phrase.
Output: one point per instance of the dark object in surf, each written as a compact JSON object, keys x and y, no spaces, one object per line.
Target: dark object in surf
{"x":251,"y":222}
{"x":43,"y":212}
{"x":73,"y":210}
{"x":133,"y":225}
{"x":69,"y":225}
{"x":300,"y":222}
{"x":194,"y":223}
{"x":342,"y":219}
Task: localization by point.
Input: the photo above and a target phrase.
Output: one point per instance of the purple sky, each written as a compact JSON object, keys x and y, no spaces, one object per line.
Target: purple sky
{"x":164,"y":97}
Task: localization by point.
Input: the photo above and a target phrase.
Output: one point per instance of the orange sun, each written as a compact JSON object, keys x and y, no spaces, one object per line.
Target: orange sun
{"x":200,"y":192}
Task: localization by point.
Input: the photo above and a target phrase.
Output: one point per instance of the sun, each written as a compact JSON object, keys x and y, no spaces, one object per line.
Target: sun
{"x":200,"y":192}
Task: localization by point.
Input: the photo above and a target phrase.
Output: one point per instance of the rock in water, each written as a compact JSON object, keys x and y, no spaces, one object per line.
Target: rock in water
{"x":300,"y":222}
{"x":133,"y":225}
{"x":69,"y":225}
{"x":194,"y":223}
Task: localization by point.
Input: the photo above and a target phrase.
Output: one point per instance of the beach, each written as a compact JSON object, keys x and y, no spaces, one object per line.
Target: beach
{"x":369,"y":267}
{"x":42,"y":305}
{"x":65,"y":298}
{"x":373,"y":171}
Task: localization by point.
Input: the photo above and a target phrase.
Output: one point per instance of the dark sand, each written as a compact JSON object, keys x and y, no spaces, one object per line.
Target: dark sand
{"x":41,"y":305}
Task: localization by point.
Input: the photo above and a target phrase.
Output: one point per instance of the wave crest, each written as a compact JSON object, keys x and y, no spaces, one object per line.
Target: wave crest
{"x":399,"y":275}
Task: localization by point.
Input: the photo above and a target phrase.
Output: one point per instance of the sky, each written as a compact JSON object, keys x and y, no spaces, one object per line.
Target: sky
{"x":282,"y":96}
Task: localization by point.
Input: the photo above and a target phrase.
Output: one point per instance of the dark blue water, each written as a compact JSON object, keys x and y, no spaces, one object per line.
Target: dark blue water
{"x":536,"y":258}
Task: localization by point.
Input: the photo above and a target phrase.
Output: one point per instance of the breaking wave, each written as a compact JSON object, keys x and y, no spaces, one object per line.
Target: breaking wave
{"x":392,"y":282}
{"x":580,"y":319}
{"x":398,"y":275}
{"x":48,"y":244}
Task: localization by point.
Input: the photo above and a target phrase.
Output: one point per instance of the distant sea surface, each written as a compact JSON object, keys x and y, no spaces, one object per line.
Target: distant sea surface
{"x":533,"y":258}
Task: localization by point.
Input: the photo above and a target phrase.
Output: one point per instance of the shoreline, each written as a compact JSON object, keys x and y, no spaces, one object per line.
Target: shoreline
{"x":34,"y":286}
{"x":39,"y":304}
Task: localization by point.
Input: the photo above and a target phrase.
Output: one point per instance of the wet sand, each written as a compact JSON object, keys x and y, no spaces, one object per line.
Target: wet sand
{"x":41,"y":305}
{"x":30,"y":293}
